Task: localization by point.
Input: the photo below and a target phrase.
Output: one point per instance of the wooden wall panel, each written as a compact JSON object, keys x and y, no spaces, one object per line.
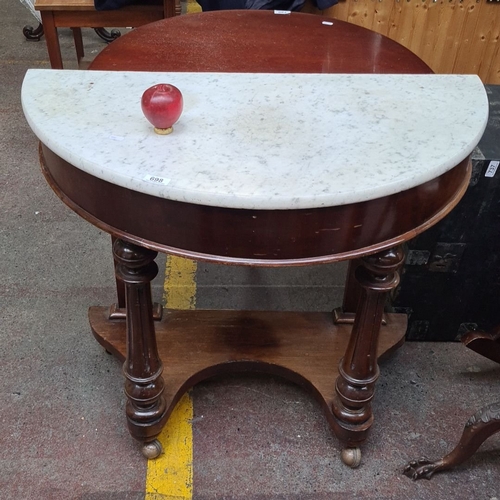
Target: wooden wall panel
{"x":451,"y":36}
{"x":491,"y":53}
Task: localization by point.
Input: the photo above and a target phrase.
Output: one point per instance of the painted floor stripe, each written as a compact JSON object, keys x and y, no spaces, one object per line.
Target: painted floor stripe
{"x":180,"y":283}
{"x":170,"y":476}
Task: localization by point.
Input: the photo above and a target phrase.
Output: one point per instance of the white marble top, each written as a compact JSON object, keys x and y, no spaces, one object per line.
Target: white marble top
{"x":261,"y":141}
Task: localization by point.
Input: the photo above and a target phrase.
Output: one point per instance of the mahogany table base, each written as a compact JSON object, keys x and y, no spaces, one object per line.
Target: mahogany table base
{"x":304,"y":347}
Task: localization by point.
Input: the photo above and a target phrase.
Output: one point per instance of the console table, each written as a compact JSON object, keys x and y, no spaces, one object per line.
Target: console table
{"x":266,"y":167}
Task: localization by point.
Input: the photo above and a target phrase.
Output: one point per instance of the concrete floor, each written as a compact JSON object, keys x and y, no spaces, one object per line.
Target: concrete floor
{"x":61,"y":398}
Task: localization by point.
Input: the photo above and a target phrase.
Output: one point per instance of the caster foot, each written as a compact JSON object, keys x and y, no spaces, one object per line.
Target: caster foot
{"x":351,"y":457}
{"x":152,"y":450}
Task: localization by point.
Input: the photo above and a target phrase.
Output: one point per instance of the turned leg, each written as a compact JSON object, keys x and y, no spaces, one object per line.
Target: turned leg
{"x":352,"y":290}
{"x":146,"y":407}
{"x":352,"y":293}
{"x":478,"y":428}
{"x":358,"y":370}
{"x":118,"y":310}
{"x":120,"y":286}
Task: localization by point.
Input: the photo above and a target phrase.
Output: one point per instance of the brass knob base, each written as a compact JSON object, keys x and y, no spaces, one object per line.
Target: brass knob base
{"x":164,"y":131}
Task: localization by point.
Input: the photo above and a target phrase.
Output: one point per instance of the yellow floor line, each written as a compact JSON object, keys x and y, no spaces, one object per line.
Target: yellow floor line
{"x":180,"y":283}
{"x":193,"y":7}
{"x":170,"y":476}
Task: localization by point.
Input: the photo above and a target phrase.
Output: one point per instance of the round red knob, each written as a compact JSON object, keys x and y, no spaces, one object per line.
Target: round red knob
{"x":162,"y":106}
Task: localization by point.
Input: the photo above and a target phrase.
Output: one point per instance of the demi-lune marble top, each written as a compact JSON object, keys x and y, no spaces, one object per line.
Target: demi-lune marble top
{"x":261,"y":141}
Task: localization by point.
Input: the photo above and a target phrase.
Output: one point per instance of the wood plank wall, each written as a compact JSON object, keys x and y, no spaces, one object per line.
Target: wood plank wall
{"x":451,"y":36}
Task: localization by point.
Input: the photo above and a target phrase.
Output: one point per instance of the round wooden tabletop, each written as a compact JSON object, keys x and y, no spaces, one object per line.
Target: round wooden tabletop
{"x":256,"y":41}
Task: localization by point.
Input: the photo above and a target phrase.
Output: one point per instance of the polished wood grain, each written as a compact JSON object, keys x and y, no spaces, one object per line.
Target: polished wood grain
{"x":304,"y":347}
{"x":257,"y":41}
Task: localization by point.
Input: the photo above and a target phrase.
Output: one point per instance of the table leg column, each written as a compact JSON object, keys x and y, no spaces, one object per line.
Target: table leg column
{"x":352,"y":289}
{"x":146,"y":407}
{"x":358,"y":370}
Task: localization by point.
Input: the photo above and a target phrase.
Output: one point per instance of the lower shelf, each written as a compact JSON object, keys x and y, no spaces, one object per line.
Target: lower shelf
{"x":194,"y":345}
